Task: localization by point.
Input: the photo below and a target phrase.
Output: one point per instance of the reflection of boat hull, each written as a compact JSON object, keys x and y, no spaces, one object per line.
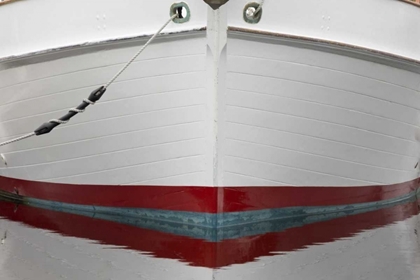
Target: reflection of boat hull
{"x":217,"y":117}
{"x":210,"y":247}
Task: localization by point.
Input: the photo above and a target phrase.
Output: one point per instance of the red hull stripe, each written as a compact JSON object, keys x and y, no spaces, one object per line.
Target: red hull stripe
{"x":204,"y":199}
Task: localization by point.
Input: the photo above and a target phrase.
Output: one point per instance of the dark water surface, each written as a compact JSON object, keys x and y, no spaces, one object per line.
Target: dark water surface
{"x":48,"y":243}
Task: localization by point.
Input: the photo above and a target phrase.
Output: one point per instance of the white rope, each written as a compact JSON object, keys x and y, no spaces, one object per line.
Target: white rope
{"x":259,"y":7}
{"x":107,"y":85}
{"x":140,"y":51}
{"x":75,"y":110}
{"x":58,"y":121}
{"x":88,"y":101}
{"x":17,"y":139}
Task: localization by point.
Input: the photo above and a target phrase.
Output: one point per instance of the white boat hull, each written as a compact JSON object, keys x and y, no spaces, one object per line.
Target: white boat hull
{"x":218,"y":124}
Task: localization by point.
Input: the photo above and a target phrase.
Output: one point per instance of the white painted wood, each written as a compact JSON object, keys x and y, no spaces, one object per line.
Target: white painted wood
{"x":391,"y":26}
{"x":217,"y":108}
{"x":314,"y":124}
{"x":151,"y":123}
{"x":216,"y":88}
{"x":31,"y":26}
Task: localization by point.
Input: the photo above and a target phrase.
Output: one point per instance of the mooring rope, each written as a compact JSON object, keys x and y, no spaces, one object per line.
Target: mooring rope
{"x":140,"y":51}
{"x":259,"y":7}
{"x":17,"y":139}
{"x":93,"y":97}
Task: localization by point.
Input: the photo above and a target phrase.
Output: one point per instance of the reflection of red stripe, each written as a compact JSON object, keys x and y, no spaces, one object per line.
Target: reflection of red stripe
{"x":160,"y":244}
{"x":247,"y":249}
{"x":199,"y":252}
{"x":205,"y":199}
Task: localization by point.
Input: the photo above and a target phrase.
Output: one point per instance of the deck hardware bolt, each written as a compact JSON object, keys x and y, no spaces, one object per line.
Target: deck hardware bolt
{"x":250,"y":12}
{"x":182,"y":10}
{"x":250,"y":15}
